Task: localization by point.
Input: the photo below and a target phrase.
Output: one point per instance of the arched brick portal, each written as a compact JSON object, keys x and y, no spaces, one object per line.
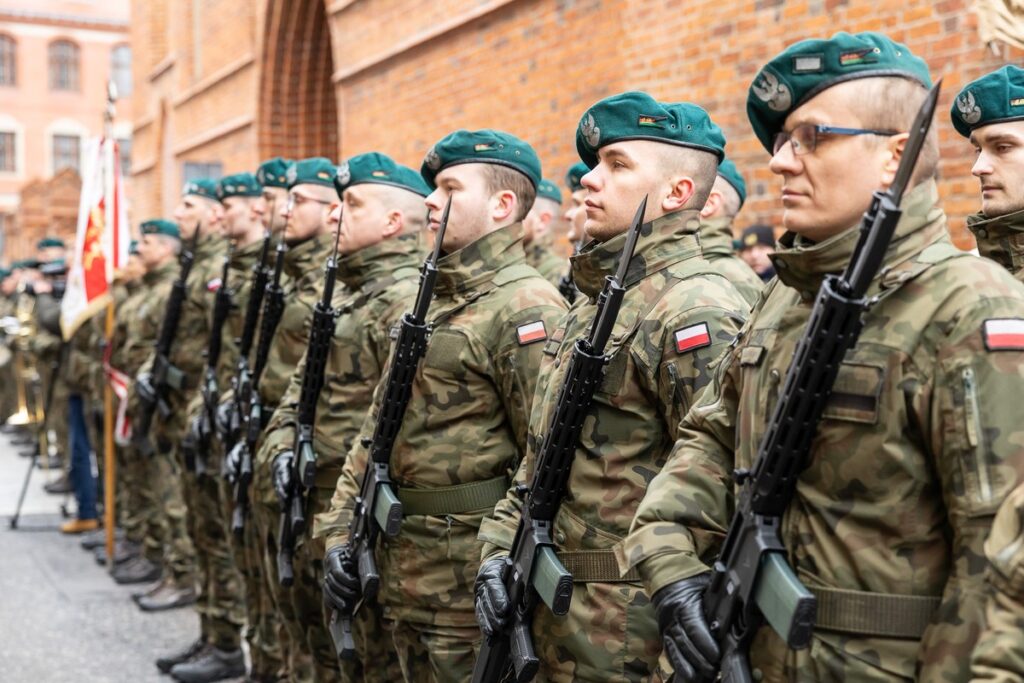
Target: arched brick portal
{"x":298,"y":115}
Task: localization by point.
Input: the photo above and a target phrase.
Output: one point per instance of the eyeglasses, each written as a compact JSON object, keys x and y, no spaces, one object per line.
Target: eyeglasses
{"x":298,"y":200}
{"x":804,"y":138}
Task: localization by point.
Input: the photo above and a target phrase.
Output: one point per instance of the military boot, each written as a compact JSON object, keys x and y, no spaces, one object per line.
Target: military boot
{"x":150,"y":590}
{"x":212,"y":665}
{"x":168,"y":596}
{"x":193,"y":649}
{"x":123,"y":552}
{"x":136,"y":570}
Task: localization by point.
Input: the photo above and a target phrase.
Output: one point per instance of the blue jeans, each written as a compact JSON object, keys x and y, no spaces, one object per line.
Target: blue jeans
{"x":82,"y":480}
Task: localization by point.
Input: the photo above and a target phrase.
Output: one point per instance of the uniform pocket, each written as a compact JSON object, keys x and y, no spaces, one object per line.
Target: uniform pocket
{"x":855,"y":395}
{"x":445,"y":351}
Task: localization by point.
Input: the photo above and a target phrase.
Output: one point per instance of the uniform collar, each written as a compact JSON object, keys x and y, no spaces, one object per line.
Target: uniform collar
{"x":247,"y":256}
{"x":160,"y":273}
{"x":716,"y":236}
{"x":478,"y":262}
{"x":306,"y":256}
{"x":803,"y":265}
{"x":664,"y":241}
{"x":992,"y":236}
{"x":380,"y":260}
{"x":210,"y":246}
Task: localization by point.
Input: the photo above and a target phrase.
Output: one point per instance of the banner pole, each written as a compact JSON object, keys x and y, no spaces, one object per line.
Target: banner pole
{"x":108,"y":448}
{"x":109,"y":192}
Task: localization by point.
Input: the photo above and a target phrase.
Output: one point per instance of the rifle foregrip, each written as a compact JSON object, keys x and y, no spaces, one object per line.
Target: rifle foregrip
{"x":524,"y":659}
{"x":296,"y":518}
{"x":341,"y":634}
{"x":735,"y":668}
{"x":368,"y":576}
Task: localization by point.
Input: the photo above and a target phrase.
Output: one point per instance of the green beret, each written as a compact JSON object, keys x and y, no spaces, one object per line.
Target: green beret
{"x":25,"y":264}
{"x":50,"y":242}
{"x":638,"y":116}
{"x":274,"y":172}
{"x":133,"y":247}
{"x":731,"y":175}
{"x":379,"y":169}
{"x":994,"y":98}
{"x":549,"y":190}
{"x":809,"y":67}
{"x":4,"y":273}
{"x":238,"y":185}
{"x":160,"y":226}
{"x":574,"y":178}
{"x":481,"y":147}
{"x":314,"y":170}
{"x":202,"y":187}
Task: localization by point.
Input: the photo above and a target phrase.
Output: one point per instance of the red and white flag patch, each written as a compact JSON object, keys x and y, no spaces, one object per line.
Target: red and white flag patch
{"x":213,"y":285}
{"x":693,"y":337}
{"x":1004,"y":334}
{"x":531,"y":332}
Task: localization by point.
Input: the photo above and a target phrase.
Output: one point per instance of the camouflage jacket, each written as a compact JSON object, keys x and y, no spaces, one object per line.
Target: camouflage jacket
{"x":550,"y":265}
{"x":144,"y":327}
{"x":1001,"y":239}
{"x":379,"y":282}
{"x":914,"y":454}
{"x":466,"y":422}
{"x":650,"y":382}
{"x":716,"y":246}
{"x":240,"y":273}
{"x":127,"y":307}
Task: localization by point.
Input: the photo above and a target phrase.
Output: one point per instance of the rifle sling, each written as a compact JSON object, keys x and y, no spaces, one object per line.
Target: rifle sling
{"x":876,"y":615}
{"x":595,"y":566}
{"x":453,"y":500}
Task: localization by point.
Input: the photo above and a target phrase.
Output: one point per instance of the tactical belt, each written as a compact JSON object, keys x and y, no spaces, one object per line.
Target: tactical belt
{"x":880,"y":615}
{"x":449,"y":500}
{"x":595,"y":566}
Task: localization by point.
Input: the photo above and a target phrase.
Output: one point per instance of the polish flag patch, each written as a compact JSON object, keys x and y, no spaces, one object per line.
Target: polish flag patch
{"x":1004,"y":334}
{"x":693,"y":337}
{"x":213,"y":285}
{"x":531,"y":332}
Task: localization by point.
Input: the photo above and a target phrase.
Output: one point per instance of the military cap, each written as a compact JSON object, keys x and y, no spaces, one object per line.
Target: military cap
{"x":201,"y":187}
{"x":314,"y":170}
{"x":133,"y":247}
{"x":809,"y":67}
{"x":996,"y":97}
{"x":638,"y":116}
{"x":50,"y":242}
{"x":730,"y":174}
{"x":549,"y":190}
{"x":160,"y":226}
{"x":486,"y":146}
{"x":574,"y":177}
{"x":274,"y":172}
{"x":5,"y":273}
{"x":380,"y":169}
{"x":755,"y":235}
{"x":238,"y":185}
{"x":25,"y":264}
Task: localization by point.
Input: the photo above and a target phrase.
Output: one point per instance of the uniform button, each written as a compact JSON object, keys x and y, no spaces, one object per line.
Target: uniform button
{"x":774,"y":374}
{"x":558,"y":362}
{"x":757,"y":674}
{"x":982,"y":233}
{"x":560,"y":537}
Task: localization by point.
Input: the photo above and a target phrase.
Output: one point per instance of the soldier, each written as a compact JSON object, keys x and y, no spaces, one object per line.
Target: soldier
{"x":679,"y":313}
{"x":755,"y":246}
{"x":381,"y":247}
{"x":464,"y":430}
{"x":990,"y":113}
{"x":917,"y":445}
{"x":537,"y":238}
{"x":725,"y":201}
{"x":575,"y":212}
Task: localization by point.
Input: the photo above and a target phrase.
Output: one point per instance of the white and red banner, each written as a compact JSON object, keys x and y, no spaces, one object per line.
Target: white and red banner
{"x":101,"y":242}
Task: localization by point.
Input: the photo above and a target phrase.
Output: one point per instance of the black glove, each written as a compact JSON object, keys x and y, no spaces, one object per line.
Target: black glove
{"x":232,"y":464}
{"x":492,"y":604}
{"x":686,"y":636}
{"x":224,"y":417}
{"x":341,"y":583}
{"x":282,"y":475}
{"x":144,"y":388}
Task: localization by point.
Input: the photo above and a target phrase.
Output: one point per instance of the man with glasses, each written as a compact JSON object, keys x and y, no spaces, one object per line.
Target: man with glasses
{"x":919,"y":442}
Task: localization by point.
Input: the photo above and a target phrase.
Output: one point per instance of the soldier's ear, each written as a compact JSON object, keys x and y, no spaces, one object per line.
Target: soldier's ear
{"x":894,"y":146}
{"x":712,"y":205}
{"x":680,"y":191}
{"x":395,"y":224}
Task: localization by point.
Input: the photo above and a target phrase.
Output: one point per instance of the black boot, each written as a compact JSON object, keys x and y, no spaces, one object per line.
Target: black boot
{"x":193,"y":649}
{"x":212,"y":665}
{"x":137,"y":570}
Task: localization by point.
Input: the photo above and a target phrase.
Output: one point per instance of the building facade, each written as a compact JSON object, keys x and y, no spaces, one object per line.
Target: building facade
{"x":222,"y":84}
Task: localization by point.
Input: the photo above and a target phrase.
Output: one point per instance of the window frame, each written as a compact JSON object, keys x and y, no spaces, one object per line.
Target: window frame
{"x":8,"y":39}
{"x":71,"y":62}
{"x":53,"y":152}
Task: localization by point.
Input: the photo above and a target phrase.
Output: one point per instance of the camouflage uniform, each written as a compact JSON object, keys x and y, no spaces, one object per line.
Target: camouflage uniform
{"x":379,"y":283}
{"x":716,"y":247}
{"x":545,"y":261}
{"x":611,"y":633}
{"x":914,"y":454}
{"x":465,"y":424}
{"x":1001,"y":239}
{"x":44,"y":346}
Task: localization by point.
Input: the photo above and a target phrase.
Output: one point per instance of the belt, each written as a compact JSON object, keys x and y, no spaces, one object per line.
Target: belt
{"x":448,"y":500}
{"x":595,"y":566}
{"x":881,"y":615}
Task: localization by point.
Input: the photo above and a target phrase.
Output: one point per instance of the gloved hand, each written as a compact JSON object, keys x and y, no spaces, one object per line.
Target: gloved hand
{"x":341,"y":582}
{"x":282,"y":475}
{"x":224,"y":417}
{"x":144,"y":388}
{"x":197,"y":430}
{"x":232,"y":463}
{"x":492,"y":604}
{"x":686,"y":636}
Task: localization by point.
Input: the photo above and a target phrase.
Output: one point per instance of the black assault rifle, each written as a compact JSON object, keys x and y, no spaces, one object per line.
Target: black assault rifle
{"x":377,"y":507}
{"x":164,"y":375}
{"x":532,"y":571}
{"x":293,"y":514}
{"x":751,"y":581}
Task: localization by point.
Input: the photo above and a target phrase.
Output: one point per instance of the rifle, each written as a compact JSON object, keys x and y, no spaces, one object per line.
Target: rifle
{"x":293,"y":516}
{"x":248,"y":391}
{"x":532,"y":570}
{"x":566,"y":287}
{"x":751,"y":581}
{"x":164,"y":375}
{"x":377,"y":507}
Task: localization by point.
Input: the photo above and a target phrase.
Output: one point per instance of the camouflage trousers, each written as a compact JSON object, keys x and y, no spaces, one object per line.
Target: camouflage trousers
{"x":132,"y":497}
{"x":434,"y":654}
{"x":179,"y":552}
{"x":262,"y":624}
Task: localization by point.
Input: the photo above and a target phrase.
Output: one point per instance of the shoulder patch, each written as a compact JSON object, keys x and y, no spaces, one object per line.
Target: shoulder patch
{"x":693,"y":337}
{"x":531,"y":332}
{"x":1004,"y":334}
{"x":213,"y":285}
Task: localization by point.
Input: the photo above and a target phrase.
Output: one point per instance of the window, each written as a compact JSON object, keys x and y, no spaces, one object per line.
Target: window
{"x":121,"y":69}
{"x":7,"y":152}
{"x":65,"y":152}
{"x":63,"y":65}
{"x":124,"y":145}
{"x":195,"y":170}
{"x":8,"y":75}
